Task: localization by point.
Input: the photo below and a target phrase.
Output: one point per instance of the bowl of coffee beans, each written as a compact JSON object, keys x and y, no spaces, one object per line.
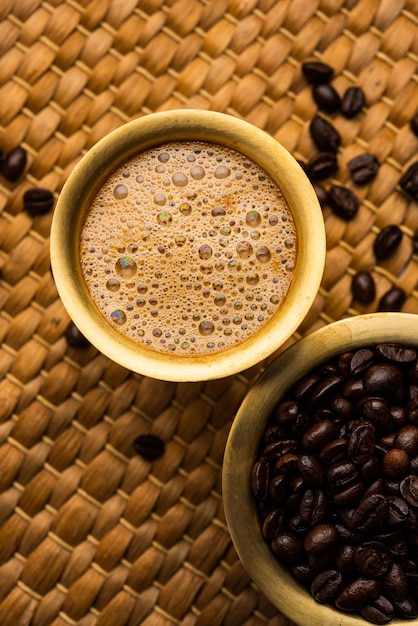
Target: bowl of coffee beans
{"x":320,"y":475}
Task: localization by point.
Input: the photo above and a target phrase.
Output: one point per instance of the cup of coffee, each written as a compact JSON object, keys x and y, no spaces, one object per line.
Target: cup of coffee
{"x":187,"y":245}
{"x":320,"y":475}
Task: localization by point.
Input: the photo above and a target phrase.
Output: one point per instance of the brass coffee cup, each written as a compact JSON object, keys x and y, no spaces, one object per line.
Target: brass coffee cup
{"x":132,"y":139}
{"x":274,"y":579}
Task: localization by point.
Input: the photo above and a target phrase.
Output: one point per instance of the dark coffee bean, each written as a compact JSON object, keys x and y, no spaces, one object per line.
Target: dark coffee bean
{"x":260,"y":477}
{"x":287,"y":412}
{"x":395,"y":464}
{"x":349,"y":495}
{"x":398,"y":512}
{"x":275,"y":449}
{"x":318,"y":435}
{"x":305,"y":386}
{"x":361,"y":360}
{"x":358,"y":593}
{"x":370,"y":470}
{"x":407,"y":439}
{"x":341,"y":407}
{"x":383,"y":379}
{"x":273,"y":523}
{"x":322,"y":165}
{"x":363,"y":168}
{"x":352,"y":102}
{"x":303,"y":573}
{"x":371,"y":511}
{"x":324,"y":135}
{"x":321,"y":194}
{"x":353,"y":389}
{"x":287,"y":463}
{"x":333,"y":451}
{"x":361,"y":442}
{"x":380,"y":611}
{"x":345,"y":559}
{"x":407,"y":608}
{"x":38,"y":201}
{"x":342,"y":474}
{"x":325,"y":388}
{"x":278,"y":488}
{"x":409,"y":181}
{"x":396,"y":353}
{"x":372,"y":559}
{"x":363,"y":287}
{"x":409,"y":489}
{"x":343,"y":201}
{"x":392,"y":300}
{"x":149,"y":446}
{"x":311,"y":469}
{"x":377,"y":410}
{"x":326,"y":586}
{"x":395,"y":583}
{"x":320,"y":538}
{"x":313,"y":506}
{"x":14,"y":163}
{"x":288,"y":548}
{"x":387,"y":241}
{"x":75,"y":338}
{"x":317,"y":72}
{"x":326,"y":97}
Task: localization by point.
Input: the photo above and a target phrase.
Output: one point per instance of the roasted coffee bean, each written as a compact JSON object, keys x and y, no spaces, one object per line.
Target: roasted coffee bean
{"x":353,"y":389}
{"x":370,"y":470}
{"x":387,"y":241}
{"x":324,"y":135}
{"x":409,"y":489}
{"x":343,"y":201}
{"x":345,"y":559}
{"x":149,"y":446}
{"x":273,"y":523}
{"x":326,"y":586}
{"x":325,"y":388}
{"x":371,"y":511}
{"x":392,"y":300}
{"x":317,"y":72}
{"x":363,"y":168}
{"x":363,"y":287}
{"x":395,"y":464}
{"x":349,"y":495}
{"x":38,"y":201}
{"x":396,"y":353}
{"x":311,"y":469}
{"x":287,"y":463}
{"x":333,"y":451}
{"x":361,"y":442}
{"x":395,"y":583}
{"x":320,"y":538}
{"x":322,"y":165}
{"x":409,"y":181}
{"x":342,"y":474}
{"x":361,"y":360}
{"x":278,"y":488}
{"x":276,"y":448}
{"x":380,"y":611}
{"x":383,"y":379}
{"x":358,"y":593}
{"x":313,"y":506}
{"x":287,"y":412}
{"x":407,"y":439}
{"x":398,"y":511}
{"x":326,"y":97}
{"x":372,"y":559}
{"x":288,"y":547}
{"x":260,"y":479}
{"x":318,"y":435}
{"x":305,"y":386}
{"x":321,"y":193}
{"x":303,"y":573}
{"x":14,"y":163}
{"x":407,"y":608}
{"x":352,"y":102}
{"x":75,"y":338}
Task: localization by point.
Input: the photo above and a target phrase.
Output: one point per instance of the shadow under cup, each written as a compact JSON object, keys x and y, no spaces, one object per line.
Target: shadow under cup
{"x":144,"y":134}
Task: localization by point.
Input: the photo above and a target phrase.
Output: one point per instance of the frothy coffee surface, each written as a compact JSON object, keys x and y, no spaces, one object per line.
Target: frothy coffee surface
{"x":188,"y":248}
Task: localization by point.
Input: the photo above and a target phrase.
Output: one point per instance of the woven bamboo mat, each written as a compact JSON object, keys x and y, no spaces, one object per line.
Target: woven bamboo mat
{"x":92,"y":534}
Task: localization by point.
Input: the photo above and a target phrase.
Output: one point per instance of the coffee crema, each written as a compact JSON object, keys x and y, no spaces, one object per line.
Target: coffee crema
{"x":188,"y":247}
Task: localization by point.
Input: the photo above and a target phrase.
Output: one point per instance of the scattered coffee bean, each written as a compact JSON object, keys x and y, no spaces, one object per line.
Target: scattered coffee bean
{"x":75,"y":338}
{"x":343,"y":201}
{"x":363,"y":287}
{"x":38,"y":201}
{"x":326,"y":97}
{"x":387,"y":241}
{"x":338,"y":497}
{"x":324,"y":135}
{"x":363,"y":168}
{"x":409,"y":181}
{"x":14,"y":163}
{"x":392,"y":300}
{"x":414,"y":125}
{"x":321,"y":193}
{"x":150,"y":447}
{"x":317,"y":72}
{"x":352,"y":102}
{"x":322,"y":165}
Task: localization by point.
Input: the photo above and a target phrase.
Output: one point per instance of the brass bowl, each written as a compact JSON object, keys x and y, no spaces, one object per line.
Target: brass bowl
{"x":273,"y":579}
{"x":150,"y":131}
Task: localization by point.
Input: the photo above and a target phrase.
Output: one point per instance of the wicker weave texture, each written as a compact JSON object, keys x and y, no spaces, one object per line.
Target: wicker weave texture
{"x":90,"y":533}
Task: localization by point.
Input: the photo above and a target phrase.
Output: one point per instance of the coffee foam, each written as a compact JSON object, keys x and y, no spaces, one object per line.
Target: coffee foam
{"x":188,"y":248}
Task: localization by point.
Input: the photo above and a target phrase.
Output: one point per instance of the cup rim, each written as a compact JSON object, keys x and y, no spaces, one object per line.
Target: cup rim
{"x":149,"y":131}
{"x":272,"y":578}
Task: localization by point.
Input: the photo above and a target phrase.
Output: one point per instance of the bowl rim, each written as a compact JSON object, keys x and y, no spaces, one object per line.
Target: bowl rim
{"x":149,"y":131}
{"x":273,"y":579}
